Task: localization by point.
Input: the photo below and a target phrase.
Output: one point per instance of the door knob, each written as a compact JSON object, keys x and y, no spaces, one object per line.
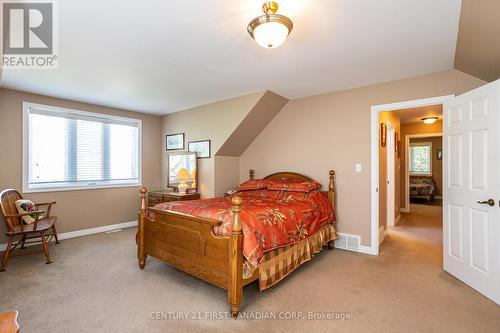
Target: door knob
{"x":490,"y":202}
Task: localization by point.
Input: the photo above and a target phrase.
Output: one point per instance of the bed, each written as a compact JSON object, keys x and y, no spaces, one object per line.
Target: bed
{"x":422,"y":187}
{"x":255,"y":234}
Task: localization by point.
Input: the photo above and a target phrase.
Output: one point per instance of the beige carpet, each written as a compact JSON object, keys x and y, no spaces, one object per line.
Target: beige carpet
{"x":94,"y":285}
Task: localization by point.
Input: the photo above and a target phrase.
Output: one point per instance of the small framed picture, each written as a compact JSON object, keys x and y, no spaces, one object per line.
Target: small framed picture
{"x":175,"y":141}
{"x":202,"y":148}
{"x":383,"y":135}
{"x":439,"y":154}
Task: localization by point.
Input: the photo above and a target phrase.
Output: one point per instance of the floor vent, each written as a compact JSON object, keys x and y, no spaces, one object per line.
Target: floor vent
{"x":348,"y":242}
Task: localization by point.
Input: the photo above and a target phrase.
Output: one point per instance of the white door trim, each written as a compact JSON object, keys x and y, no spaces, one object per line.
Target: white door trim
{"x":407,"y":163}
{"x":375,"y":110}
{"x":391,"y":179}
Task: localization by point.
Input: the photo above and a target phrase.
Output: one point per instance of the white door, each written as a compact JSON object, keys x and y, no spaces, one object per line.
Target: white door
{"x":471,"y":139}
{"x":390,"y":176}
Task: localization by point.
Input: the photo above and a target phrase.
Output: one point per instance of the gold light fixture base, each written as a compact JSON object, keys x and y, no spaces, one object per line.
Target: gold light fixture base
{"x":270,"y":7}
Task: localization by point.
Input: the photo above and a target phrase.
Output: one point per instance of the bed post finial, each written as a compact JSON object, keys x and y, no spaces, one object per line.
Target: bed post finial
{"x":141,"y":252}
{"x":143,"y":190}
{"x":251,"y":174}
{"x":331,"y":188}
{"x":237,"y":202}
{"x":235,"y":283}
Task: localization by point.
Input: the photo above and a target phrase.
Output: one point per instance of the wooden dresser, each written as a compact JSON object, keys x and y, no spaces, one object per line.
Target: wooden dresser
{"x":156,"y":197}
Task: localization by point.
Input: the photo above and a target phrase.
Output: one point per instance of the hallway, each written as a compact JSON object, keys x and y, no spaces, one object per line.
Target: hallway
{"x":419,"y":234}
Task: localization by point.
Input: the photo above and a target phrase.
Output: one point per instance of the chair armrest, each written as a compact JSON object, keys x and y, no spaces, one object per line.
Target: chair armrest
{"x":44,"y":203}
{"x":36,"y":212}
{"x":49,"y":204}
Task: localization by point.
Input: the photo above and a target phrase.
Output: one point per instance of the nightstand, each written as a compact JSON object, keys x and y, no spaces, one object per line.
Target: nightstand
{"x":157,"y":197}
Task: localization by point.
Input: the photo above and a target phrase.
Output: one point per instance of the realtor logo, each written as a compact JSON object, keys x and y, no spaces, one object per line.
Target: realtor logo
{"x":28,"y":34}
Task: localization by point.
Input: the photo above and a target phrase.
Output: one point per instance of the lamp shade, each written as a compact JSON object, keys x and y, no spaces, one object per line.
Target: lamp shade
{"x":270,"y":34}
{"x":183,"y":175}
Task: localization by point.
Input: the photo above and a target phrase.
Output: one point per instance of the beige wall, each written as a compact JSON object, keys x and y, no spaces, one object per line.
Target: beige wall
{"x":215,"y":122}
{"x":420,"y":128}
{"x":314,"y":134}
{"x":227,"y":174}
{"x":84,"y":208}
{"x":393,"y":119}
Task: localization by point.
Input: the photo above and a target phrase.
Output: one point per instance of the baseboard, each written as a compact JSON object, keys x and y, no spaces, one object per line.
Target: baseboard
{"x":438,"y":197}
{"x":397,"y":220}
{"x":86,"y":232}
{"x":353,"y":243}
{"x":404,"y":210}
{"x":368,"y":250}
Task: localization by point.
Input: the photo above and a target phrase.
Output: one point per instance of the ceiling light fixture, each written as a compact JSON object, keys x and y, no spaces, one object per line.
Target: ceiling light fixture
{"x":270,"y":30}
{"x":429,"y":120}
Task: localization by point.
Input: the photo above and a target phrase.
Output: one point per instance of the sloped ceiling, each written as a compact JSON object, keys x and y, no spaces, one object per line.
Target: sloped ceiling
{"x":478,"y":44}
{"x":257,"y":119}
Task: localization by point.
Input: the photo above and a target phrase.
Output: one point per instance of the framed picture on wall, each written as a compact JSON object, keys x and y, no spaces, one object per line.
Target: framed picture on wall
{"x":201,"y":148}
{"x":383,"y":135}
{"x":175,"y":141}
{"x":439,"y":154}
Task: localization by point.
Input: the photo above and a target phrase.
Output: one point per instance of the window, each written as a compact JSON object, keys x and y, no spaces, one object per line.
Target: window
{"x":67,"y":149}
{"x":421,"y":158}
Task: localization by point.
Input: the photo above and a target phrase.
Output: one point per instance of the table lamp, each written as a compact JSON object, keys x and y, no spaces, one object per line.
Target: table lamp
{"x":182,"y":176}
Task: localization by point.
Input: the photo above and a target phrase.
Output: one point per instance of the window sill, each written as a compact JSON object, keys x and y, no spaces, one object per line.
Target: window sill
{"x":77,"y":188}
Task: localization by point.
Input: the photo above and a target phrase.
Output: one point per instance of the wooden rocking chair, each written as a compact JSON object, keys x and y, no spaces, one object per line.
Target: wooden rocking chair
{"x":43,"y":227}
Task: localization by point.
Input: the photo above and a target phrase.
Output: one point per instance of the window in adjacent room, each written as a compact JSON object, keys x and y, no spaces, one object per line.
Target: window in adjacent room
{"x":421,"y":158}
{"x":68,"y":149}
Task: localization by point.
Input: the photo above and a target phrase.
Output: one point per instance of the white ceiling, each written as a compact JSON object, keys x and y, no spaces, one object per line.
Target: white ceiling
{"x":165,"y":56}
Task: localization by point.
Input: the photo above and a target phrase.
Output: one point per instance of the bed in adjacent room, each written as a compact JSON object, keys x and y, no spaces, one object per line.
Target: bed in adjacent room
{"x":264,"y":231}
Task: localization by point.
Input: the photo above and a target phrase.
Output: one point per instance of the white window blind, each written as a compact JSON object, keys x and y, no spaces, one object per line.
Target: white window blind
{"x":74,"y":149}
{"x":421,"y":158}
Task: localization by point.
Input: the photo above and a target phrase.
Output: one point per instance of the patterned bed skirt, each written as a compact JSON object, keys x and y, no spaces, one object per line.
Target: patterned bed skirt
{"x":280,"y":262}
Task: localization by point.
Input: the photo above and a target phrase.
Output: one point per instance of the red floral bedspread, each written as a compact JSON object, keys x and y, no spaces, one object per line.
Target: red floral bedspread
{"x":270,"y":219}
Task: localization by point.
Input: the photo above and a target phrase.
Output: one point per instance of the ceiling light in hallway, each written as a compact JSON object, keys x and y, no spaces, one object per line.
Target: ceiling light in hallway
{"x":429,"y":120}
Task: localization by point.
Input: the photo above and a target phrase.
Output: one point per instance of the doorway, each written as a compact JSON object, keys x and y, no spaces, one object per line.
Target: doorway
{"x":470,"y":247}
{"x":423,"y":168}
{"x":409,"y":166}
{"x":379,"y":221}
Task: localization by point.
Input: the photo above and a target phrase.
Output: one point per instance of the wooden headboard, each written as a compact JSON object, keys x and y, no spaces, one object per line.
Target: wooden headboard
{"x":297,"y":176}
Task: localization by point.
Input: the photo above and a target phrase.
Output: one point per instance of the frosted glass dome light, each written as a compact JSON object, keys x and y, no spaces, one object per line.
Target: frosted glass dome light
{"x":270,"y":30}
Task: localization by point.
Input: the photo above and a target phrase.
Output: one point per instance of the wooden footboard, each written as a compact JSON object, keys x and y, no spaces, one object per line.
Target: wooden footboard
{"x":189,"y":244}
